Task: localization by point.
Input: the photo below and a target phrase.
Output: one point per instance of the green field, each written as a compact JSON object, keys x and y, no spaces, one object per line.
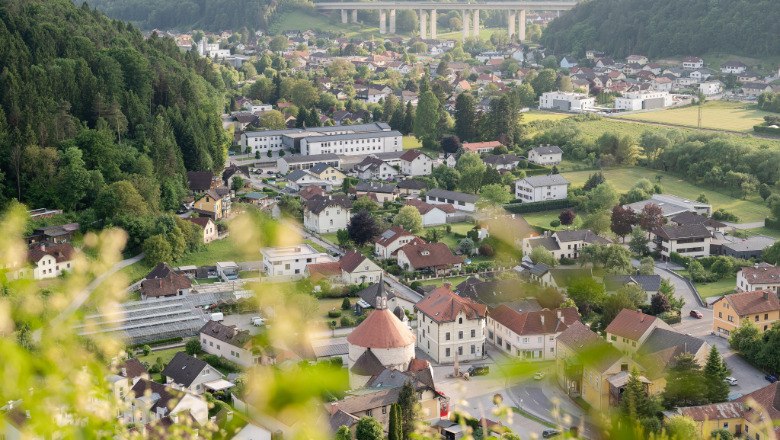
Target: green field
{"x":302,"y":20}
{"x":166,"y":355}
{"x":536,"y":115}
{"x":542,"y":220}
{"x":774,"y":233}
{"x":717,"y":115}
{"x":411,"y":142}
{"x":438,"y":282}
{"x":484,"y":34}
{"x":717,"y":288}
{"x":622,"y":179}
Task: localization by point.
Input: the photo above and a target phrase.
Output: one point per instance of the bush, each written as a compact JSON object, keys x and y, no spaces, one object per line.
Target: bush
{"x":193,"y":347}
{"x":723,"y":215}
{"x":555,"y":223}
{"x":567,"y":261}
{"x":146,"y":350}
{"x":334,"y":313}
{"x":548,"y":205}
{"x":772,"y":223}
{"x":347,"y":321}
{"x":221,"y":363}
{"x":670,"y":317}
{"x":487,"y":250}
{"x":345,"y":305}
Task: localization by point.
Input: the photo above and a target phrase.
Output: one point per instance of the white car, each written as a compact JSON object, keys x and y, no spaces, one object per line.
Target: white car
{"x":539,"y":375}
{"x":258,"y":321}
{"x":731,"y":380}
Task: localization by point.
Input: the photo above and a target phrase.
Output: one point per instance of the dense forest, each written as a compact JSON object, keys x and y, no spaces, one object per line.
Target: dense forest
{"x":659,"y":28}
{"x":210,"y":15}
{"x":96,"y":119}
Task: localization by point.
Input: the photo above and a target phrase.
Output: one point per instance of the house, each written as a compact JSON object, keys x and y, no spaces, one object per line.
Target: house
{"x":356,"y":268}
{"x":397,"y":301}
{"x":460,"y":201}
{"x":376,"y":191}
{"x":164,"y":282}
{"x":687,"y":240}
{"x":391,"y":240}
{"x":660,"y":350}
{"x":692,"y":63}
{"x":528,"y":335}
{"x":323,"y":214}
{"x":432,"y":215}
{"x":300,"y":179}
{"x":229,"y":343}
{"x":310,"y":192}
{"x":672,"y":205}
{"x":733,"y":67}
{"x":630,"y":328}
{"x":541,"y":188}
{"x":210,"y":232}
{"x":649,"y":283}
{"x":54,"y":234}
{"x":756,"y":88}
{"x":352,"y":143}
{"x":213,"y":205}
{"x":754,"y":415}
{"x":564,"y":243}
{"x":481,"y":147}
{"x":416,"y":163}
{"x":256,"y":198}
{"x":200,"y":181}
{"x":692,"y":218}
{"x":328,"y":173}
{"x":589,"y":368}
{"x":227,"y":270}
{"x":566,"y":101}
{"x":545,"y":155}
{"x":643,"y":100}
{"x":291,"y":260}
{"x":450,"y":328}
{"x":762,"y":276}
{"x":191,"y":374}
{"x":232,"y":172}
{"x":433,"y":257}
{"x":502,"y":162}
{"x":709,"y":88}
{"x":760,"y":307}
{"x":637,"y":59}
{"x":373,"y":168}
{"x":568,"y":62}
{"x":156,"y":405}
{"x":373,"y":95}
{"x":49,"y":260}
{"x":411,"y":187}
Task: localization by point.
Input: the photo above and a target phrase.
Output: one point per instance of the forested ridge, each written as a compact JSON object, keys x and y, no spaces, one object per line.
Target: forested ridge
{"x":659,"y":28}
{"x":94,"y":118}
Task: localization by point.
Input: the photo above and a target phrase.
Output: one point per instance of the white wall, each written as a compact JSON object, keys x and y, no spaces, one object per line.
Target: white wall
{"x":527,"y":193}
{"x":432,"y":338}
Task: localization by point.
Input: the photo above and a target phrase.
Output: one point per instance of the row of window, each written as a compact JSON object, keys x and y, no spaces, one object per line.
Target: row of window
{"x":448,"y":351}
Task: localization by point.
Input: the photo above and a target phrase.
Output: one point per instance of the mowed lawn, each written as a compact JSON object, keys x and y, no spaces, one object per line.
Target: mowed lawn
{"x":622,"y":179}
{"x":454,"y":281}
{"x":542,"y":220}
{"x":719,"y":115}
{"x":410,"y":142}
{"x":535,"y":115}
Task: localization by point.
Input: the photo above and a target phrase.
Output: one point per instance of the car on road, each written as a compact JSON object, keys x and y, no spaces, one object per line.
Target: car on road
{"x":258,"y":321}
{"x":731,"y":381}
{"x":696,"y":314}
{"x":478,"y":370}
{"x":271,"y":172}
{"x":539,"y":375}
{"x":771,"y":378}
{"x":550,"y":433}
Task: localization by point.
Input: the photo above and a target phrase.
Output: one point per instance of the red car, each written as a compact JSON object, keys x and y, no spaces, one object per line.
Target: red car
{"x":696,"y":314}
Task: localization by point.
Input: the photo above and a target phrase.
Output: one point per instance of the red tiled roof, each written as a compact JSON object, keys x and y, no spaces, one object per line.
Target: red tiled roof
{"x":324,"y":270}
{"x":167,"y":286}
{"x":200,"y":221}
{"x":60,"y":251}
{"x":476,"y":146}
{"x":392,"y":235}
{"x":535,"y":322}
{"x":763,"y":274}
{"x":757,"y":301}
{"x":425,"y":208}
{"x":578,"y":336}
{"x":631,"y":324}
{"x":381,"y":329}
{"x":309,"y":192}
{"x":444,"y":305}
{"x":351,"y":260}
{"x":769,"y":399}
{"x":410,"y":155}
{"x":422,"y":255}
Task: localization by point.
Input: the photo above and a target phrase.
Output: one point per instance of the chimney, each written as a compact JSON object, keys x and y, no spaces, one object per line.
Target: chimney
{"x":124,"y":371}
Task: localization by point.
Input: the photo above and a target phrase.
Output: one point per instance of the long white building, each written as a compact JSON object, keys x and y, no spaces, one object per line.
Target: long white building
{"x":353,"y":144}
{"x":291,"y":260}
{"x":566,"y":101}
{"x":644,"y":100}
{"x":375,"y":137}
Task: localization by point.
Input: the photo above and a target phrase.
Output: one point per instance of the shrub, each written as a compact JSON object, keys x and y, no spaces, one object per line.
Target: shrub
{"x":146,"y":350}
{"x":334,"y":313}
{"x":487,"y":250}
{"x":347,"y":321}
{"x":723,"y":215}
{"x":193,"y":347}
{"x":345,"y":305}
{"x":555,"y":223}
{"x":221,"y":363}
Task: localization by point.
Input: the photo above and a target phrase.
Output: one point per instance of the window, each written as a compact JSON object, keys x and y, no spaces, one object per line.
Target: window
{"x":384,"y":410}
{"x":766,"y":316}
{"x":473,"y":333}
{"x":613,"y":337}
{"x":446,"y":352}
{"x":460,"y":350}
{"x":731,"y":318}
{"x":447,"y":336}
{"x":720,"y":314}
{"x":460,"y":320}
{"x":756,"y":318}
{"x":473,"y":349}
{"x":525,"y":340}
{"x":368,"y":412}
{"x":460,"y":335}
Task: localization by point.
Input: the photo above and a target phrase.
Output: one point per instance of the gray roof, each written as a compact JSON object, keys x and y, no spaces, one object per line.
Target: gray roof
{"x":669,"y":232}
{"x":272,"y":132}
{"x":539,"y":269}
{"x":692,"y":218}
{"x":585,"y":235}
{"x":329,"y":157}
{"x":320,"y":167}
{"x":758,"y":243}
{"x":183,"y":369}
{"x":547,"y":149}
{"x":374,"y":187}
{"x":317,"y":204}
{"x":367,"y":364}
{"x":359,"y":128}
{"x":648,"y":283}
{"x":349,"y":136}
{"x":501,"y":159}
{"x":547,"y":242}
{"x":454,"y":195}
{"x":411,"y":184}
{"x":297,"y":174}
{"x":667,"y":208}
{"x":549,"y":180}
{"x":662,"y":339}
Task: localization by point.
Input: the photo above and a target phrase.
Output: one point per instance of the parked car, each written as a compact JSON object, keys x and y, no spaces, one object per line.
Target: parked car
{"x":771,"y":378}
{"x":731,"y":381}
{"x":550,"y":433}
{"x":539,"y":375}
{"x":478,"y":370}
{"x":271,"y":172}
{"x":218,"y":316}
{"x":696,"y":314}
{"x":258,"y":321}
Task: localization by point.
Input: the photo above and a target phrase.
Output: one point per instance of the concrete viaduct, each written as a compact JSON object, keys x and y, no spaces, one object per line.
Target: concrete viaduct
{"x":427,"y":10}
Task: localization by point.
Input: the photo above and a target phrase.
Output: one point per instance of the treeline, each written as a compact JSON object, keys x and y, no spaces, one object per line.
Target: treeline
{"x":667,"y":27}
{"x":92,"y":113}
{"x":210,"y":15}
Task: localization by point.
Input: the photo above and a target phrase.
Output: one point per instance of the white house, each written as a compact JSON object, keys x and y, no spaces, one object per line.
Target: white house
{"x":643,"y":100}
{"x":460,"y":201}
{"x":356,"y":268}
{"x":540,"y":188}
{"x":432,"y":215}
{"x":545,"y":155}
{"x":299,"y":179}
{"x":228,"y":342}
{"x":50,"y":260}
{"x":710,"y":88}
{"x":150,"y":402}
{"x":564,"y":243}
{"x":291,"y":260}
{"x":566,"y":101}
{"x":210,"y":232}
{"x":733,"y":67}
{"x":450,"y":327}
{"x":190,"y":374}
{"x":391,"y":240}
{"x":528,"y":335}
{"x":373,"y":168}
{"x":323,"y":214}
{"x":416,"y":163}
{"x":257,"y":107}
{"x":761,"y":276}
{"x":692,"y":63}
{"x":288,"y":163}
{"x":687,"y":240}
{"x":264,"y":141}
{"x":568,"y":62}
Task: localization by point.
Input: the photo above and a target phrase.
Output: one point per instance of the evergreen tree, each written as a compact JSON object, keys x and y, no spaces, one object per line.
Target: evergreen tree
{"x":313,"y":118}
{"x":300,"y":120}
{"x":397,"y":120}
{"x":466,"y":117}
{"x":409,"y":403}
{"x":635,"y":402}
{"x":715,"y":373}
{"x":426,"y":118}
{"x":685,"y":383}
{"x":394,"y":428}
{"x":408,"y":124}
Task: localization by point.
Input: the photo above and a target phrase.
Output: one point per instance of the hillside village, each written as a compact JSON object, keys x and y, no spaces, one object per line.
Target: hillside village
{"x":445,"y":256}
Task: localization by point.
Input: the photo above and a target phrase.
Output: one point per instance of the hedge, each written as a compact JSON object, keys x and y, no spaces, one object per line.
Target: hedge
{"x":765,"y":129}
{"x":547,"y":205}
{"x":772,"y":223}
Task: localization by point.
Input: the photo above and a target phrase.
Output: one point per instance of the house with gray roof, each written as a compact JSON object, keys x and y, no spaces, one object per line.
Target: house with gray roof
{"x":191,"y":374}
{"x":546,"y":155}
{"x":691,"y":240}
{"x":542,"y":188}
{"x":461,"y":201}
{"x":564,"y":244}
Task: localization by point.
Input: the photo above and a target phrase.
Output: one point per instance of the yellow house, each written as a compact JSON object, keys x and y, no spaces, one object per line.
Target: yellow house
{"x":760,"y":307}
{"x":328,"y":173}
{"x":212,"y":205}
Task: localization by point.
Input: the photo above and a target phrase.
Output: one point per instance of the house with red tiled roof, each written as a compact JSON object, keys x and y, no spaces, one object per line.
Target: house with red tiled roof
{"x":432,"y":215}
{"x":353,"y":268}
{"x":529,"y":335}
{"x":631,"y":328}
{"x":436,"y":258}
{"x":762,"y":276}
{"x":481,"y":147}
{"x":50,"y":260}
{"x":388,"y":243}
{"x":760,"y":307}
{"x":450,"y":326}
{"x":416,"y":163}
{"x":163,"y":282}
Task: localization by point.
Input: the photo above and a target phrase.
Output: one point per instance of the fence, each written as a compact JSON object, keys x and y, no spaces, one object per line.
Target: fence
{"x":462,"y":272}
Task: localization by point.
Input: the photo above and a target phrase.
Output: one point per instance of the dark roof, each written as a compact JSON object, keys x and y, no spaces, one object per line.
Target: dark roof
{"x":367,"y":364}
{"x":662,"y":339}
{"x":768,"y":397}
{"x":412,"y":184}
{"x":762,"y":274}
{"x":648,"y":283}
{"x":168,"y":284}
{"x":501,"y":159}
{"x":320,"y":167}
{"x":297,"y":174}
{"x":669,"y":232}
{"x":340,"y":418}
{"x":351,"y":260}
{"x":593,"y":350}
{"x":161,"y":270}
{"x":391,"y":235}
{"x":535,"y":322}
{"x":495,"y":292}
{"x":132,"y":368}
{"x":183,"y":369}
{"x":60,"y":251}
{"x":227,"y":334}
{"x":374,"y":187}
{"x":199,"y":180}
{"x":317,"y":204}
{"x":444,"y":305}
{"x":548,"y":243}
{"x":200,"y":221}
{"x":692,"y":218}
{"x":423,"y":255}
{"x":410,"y":155}
{"x":165,"y":397}
{"x":454,"y":195}
{"x":585,"y":235}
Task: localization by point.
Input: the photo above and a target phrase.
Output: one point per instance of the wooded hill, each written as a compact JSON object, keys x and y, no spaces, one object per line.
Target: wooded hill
{"x":90,"y":111}
{"x":658,"y":28}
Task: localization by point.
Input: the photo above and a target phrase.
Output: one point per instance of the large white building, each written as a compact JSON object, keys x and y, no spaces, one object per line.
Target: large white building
{"x":375,"y":137}
{"x":687,"y":240}
{"x":265,"y":141}
{"x":291,"y":260}
{"x":529,"y":335}
{"x":450,"y":326}
{"x":566,"y":101}
{"x":540,"y":188}
{"x":762,"y":276}
{"x":643,"y":100}
{"x":353,"y":144}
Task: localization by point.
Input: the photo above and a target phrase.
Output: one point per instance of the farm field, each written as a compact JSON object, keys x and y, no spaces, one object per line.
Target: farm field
{"x":622,"y":179}
{"x":719,"y":115}
{"x":536,"y":115}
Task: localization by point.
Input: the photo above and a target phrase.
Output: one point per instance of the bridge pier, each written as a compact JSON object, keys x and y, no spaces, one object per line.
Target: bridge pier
{"x":382,"y":21}
{"x":465,"y":20}
{"x":521,"y":29}
{"x":512,"y":20}
{"x":475,"y":16}
{"x":354,"y":16}
{"x":423,"y":25}
{"x":344,"y":16}
{"x":392,"y":21}
{"x":433,"y":24}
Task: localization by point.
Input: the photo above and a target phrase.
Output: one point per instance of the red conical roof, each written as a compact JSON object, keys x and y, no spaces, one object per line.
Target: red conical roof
{"x":381,"y":329}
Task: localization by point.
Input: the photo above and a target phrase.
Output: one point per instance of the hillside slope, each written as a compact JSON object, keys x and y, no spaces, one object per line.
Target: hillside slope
{"x":658,"y":28}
